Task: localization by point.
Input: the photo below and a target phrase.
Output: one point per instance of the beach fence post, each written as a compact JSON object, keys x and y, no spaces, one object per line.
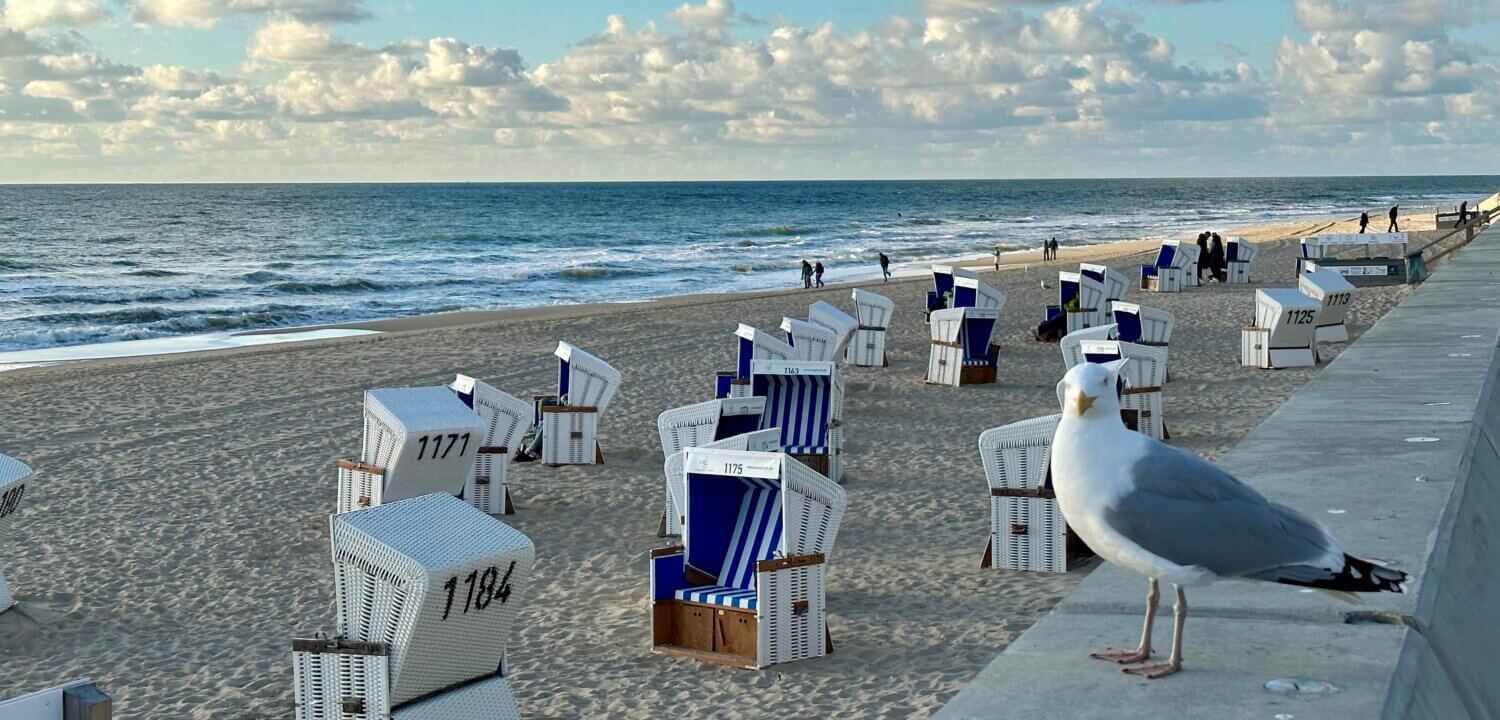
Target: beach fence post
{"x":86,"y":702}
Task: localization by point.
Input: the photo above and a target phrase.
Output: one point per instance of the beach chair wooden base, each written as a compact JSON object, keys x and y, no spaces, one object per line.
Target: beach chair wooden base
{"x":817,"y":462}
{"x":710,"y":633}
{"x":977,"y":375}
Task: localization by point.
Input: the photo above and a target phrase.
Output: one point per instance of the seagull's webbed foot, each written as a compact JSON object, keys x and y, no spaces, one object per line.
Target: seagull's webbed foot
{"x":1123,"y":657}
{"x":1152,"y":672}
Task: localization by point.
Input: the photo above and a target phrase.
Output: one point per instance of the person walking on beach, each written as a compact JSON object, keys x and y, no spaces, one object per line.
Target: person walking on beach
{"x":885,"y":267}
{"x":818,"y":271}
{"x":997,"y":257}
{"x":1463,"y":213}
{"x":1216,"y":264}
{"x":1364,"y":222}
{"x":1394,"y":227}
{"x":806,"y":275}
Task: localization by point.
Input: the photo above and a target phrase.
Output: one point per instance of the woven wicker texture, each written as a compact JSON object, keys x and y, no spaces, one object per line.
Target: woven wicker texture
{"x":840,"y":323}
{"x":1016,"y":457}
{"x":810,"y":340}
{"x":424,"y":438}
{"x":867,"y":347}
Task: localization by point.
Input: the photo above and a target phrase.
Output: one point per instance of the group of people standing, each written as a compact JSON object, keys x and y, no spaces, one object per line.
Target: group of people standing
{"x":812,"y":274}
{"x":1211,"y":257}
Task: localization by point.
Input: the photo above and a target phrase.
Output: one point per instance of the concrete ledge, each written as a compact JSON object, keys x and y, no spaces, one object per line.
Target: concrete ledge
{"x":1339,"y":451}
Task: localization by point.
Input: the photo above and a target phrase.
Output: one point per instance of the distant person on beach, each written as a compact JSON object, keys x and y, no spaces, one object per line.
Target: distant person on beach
{"x":997,"y":257}
{"x":1364,"y":222}
{"x":885,"y":267}
{"x":1217,"y":266}
{"x":806,"y":275}
{"x":1203,"y":256}
{"x":1394,"y":227}
{"x":1463,"y":213}
{"x":818,"y":272}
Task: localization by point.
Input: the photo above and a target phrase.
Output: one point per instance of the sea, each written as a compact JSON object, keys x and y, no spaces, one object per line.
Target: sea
{"x":87,"y":264}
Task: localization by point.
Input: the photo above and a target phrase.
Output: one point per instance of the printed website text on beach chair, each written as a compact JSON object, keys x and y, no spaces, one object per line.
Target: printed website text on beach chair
{"x":1285,"y":330}
{"x":426,"y":593}
{"x":506,"y":419}
{"x":1027,"y":530}
{"x":750,"y":345}
{"x":1333,"y":294}
{"x":748,"y":585}
{"x":867,"y":347}
{"x":570,"y":420}
{"x":417,"y":441}
{"x":15,"y":476}
{"x":806,"y":401}
{"x":961,"y":350}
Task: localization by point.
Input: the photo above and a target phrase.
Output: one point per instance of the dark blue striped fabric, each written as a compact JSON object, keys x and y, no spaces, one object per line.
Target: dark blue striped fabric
{"x":976,"y":333}
{"x":801,"y":405}
{"x":719,"y":595}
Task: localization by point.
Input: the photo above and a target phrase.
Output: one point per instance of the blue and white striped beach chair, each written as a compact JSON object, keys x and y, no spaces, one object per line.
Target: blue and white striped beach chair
{"x":805,"y":400}
{"x":750,"y":345}
{"x":1169,"y":272}
{"x":748,"y":585}
{"x":962,"y":352}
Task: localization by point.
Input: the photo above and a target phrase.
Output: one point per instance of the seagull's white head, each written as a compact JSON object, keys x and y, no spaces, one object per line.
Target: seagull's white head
{"x":1092,"y":391}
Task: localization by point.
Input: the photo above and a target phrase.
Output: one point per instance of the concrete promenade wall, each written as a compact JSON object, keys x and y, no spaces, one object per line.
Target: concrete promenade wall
{"x":1395,"y":447}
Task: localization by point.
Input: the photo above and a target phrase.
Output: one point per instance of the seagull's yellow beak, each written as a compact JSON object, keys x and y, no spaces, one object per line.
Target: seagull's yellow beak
{"x":1083,"y":402}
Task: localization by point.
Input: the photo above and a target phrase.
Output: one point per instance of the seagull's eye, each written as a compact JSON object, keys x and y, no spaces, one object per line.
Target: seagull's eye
{"x":1103,"y":382}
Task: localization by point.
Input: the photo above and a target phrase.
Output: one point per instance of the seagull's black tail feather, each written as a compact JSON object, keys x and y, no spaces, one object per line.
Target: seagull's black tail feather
{"x":1357,"y":576}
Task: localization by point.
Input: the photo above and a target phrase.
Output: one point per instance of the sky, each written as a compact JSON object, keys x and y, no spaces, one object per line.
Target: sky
{"x":584,"y":90}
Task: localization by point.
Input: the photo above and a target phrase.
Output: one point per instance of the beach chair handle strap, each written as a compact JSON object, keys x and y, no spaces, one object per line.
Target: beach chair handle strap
{"x":493,"y":450}
{"x":871,"y":327}
{"x":787,"y":563}
{"x":363,"y":467}
{"x":569,"y":409}
{"x":1142,"y":390}
{"x":1044,"y":493}
{"x":945,"y":343}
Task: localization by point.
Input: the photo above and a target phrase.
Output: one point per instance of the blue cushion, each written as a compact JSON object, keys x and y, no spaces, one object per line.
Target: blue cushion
{"x":741,"y":598}
{"x":1148,"y":271}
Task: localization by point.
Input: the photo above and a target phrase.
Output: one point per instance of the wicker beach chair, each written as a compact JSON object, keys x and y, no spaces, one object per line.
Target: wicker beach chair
{"x":1082,"y":299}
{"x":1071,"y":344}
{"x":1333,"y":293}
{"x":941,"y":295}
{"x":1114,"y":282}
{"x":970,"y":291}
{"x":806,"y":401}
{"x":74,"y":700}
{"x":1144,"y":375}
{"x":867,"y":347}
{"x":748,"y":585}
{"x":810,"y":340}
{"x":1285,"y":330}
{"x":1238,"y":255}
{"x":417,"y":441}
{"x":961,"y":350}
{"x":840,"y":323}
{"x":426,"y":593}
{"x":1143,"y":325}
{"x":570,"y":419}
{"x":1027,"y":529}
{"x":15,"y":476}
{"x":751,"y":345}
{"x":766,"y":440}
{"x":506,"y":419}
{"x":1169,"y":272}
{"x":1193,"y":255}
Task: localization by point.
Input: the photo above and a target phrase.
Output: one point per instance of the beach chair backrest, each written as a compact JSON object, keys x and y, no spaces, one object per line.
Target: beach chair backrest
{"x":586,"y":380}
{"x":942,"y":279}
{"x":1167,"y":256}
{"x":970,"y":291}
{"x":947,"y":325}
{"x":1332,"y":292}
{"x":837,"y":321}
{"x":733,"y":512}
{"x":1113,"y":282}
{"x":1291,"y":316}
{"x":699,"y":424}
{"x":1141,"y":324}
{"x":810,"y":340}
{"x":424,"y":438}
{"x":872,"y":310}
{"x":1070,"y":344}
{"x":1017,"y":456}
{"x":978,"y":331}
{"x":802,"y":398}
{"x":1147,"y":366}
{"x":506,"y":417}
{"x":1187,"y":254}
{"x":1239,"y":250}
{"x":437,"y":581}
{"x":756,"y":345}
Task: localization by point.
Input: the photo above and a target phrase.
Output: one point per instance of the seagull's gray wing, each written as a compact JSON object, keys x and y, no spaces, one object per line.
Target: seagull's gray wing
{"x":1188,"y":511}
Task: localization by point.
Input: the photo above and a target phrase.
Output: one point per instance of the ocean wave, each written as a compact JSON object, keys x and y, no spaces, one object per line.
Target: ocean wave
{"x":162,"y":295}
{"x":752,"y":268}
{"x":598,"y":273}
{"x":771,"y":231}
{"x":263,"y":276}
{"x":302,"y":287}
{"x":154,"y":272}
{"x":18,"y":265}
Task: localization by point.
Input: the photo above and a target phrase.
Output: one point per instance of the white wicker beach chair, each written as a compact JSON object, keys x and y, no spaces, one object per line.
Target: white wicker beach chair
{"x":767,"y":440}
{"x":1238,"y":255}
{"x":76,"y":700}
{"x":1144,"y":375}
{"x":1285,"y":330}
{"x":1169,"y":272}
{"x":14,"y":478}
{"x":1193,"y":254}
{"x":806,"y":401}
{"x":867,"y":348}
{"x":961,"y":350}
{"x":417,"y":441}
{"x":570,"y":430}
{"x":748,"y":586}
{"x":1027,"y":529}
{"x":1143,"y":325}
{"x":701,"y":423}
{"x":751,"y":345}
{"x":810,"y":340}
{"x":970,"y":291}
{"x":941,"y":295}
{"x":426,"y":592}
{"x":1071,"y":344}
{"x":506,"y":419}
{"x":1115,"y":283}
{"x":1333,"y":293}
{"x":1082,"y":299}
{"x":840,"y":323}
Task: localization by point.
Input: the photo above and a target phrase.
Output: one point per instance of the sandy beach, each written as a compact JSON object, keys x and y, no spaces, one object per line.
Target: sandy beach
{"x":176,"y":539}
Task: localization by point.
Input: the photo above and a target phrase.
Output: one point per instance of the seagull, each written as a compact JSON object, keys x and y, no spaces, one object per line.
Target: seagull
{"x":1173,"y":517}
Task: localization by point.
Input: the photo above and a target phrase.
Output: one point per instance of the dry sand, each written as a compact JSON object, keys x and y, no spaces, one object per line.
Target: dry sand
{"x":177,"y":536}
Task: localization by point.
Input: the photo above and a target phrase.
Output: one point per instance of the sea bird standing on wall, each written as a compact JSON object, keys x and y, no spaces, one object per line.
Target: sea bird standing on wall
{"x":1176,"y":518}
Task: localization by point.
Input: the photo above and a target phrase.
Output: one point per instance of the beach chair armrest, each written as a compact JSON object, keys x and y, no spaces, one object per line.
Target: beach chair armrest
{"x":787,"y":563}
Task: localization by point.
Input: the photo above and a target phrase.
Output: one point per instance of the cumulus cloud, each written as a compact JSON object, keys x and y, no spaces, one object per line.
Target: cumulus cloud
{"x":29,"y":14}
{"x":207,"y":13}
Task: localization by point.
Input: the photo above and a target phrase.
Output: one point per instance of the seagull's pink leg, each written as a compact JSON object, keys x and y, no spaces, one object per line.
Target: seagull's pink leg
{"x":1173,"y":663}
{"x":1144,"y":651}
